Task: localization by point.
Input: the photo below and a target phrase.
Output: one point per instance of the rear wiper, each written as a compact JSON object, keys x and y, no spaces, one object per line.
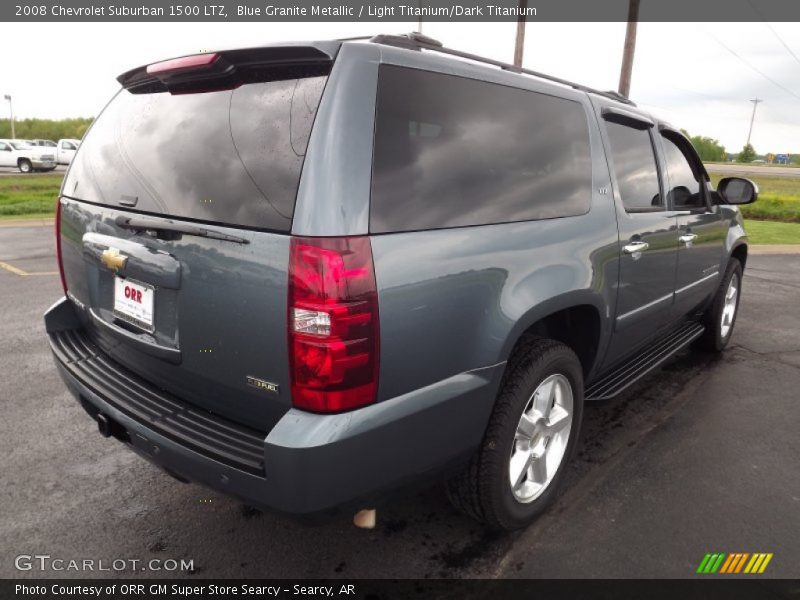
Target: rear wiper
{"x":173,"y":227}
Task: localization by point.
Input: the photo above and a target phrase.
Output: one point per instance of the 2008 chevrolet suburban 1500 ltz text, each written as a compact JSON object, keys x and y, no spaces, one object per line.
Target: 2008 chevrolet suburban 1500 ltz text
{"x":310,"y":275}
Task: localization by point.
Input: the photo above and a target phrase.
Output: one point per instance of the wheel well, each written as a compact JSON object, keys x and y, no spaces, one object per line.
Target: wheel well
{"x":578,"y":327}
{"x":740,"y":254}
{"x":22,"y":159}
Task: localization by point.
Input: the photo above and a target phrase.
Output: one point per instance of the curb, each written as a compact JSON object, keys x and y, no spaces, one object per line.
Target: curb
{"x":43,"y":222}
{"x":775,"y":249}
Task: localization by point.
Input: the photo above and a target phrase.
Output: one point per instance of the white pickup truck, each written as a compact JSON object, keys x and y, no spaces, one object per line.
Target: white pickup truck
{"x":64,"y":150}
{"x":26,"y":157}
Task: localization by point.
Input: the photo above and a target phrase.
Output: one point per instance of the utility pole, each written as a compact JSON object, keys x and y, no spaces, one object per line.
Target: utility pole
{"x":11,"y":114}
{"x":520,"y":45}
{"x":755,"y":102}
{"x":630,"y":46}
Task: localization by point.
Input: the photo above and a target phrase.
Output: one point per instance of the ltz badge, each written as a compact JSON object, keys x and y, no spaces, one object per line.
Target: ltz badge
{"x":265,"y":386}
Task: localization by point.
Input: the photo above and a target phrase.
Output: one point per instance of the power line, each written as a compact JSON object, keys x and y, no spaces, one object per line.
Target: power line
{"x":751,"y":66}
{"x":684,"y":107}
{"x":775,"y":33}
{"x":780,"y":39}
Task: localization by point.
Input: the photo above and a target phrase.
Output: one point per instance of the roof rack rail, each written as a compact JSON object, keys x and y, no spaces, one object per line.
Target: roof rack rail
{"x":417,"y":41}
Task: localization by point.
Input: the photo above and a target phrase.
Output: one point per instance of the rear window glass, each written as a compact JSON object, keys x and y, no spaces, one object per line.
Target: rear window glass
{"x":231,"y":157}
{"x":451,"y":151}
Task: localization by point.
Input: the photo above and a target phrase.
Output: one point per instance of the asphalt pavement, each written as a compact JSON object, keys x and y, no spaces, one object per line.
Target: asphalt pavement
{"x":701,"y":456}
{"x":720,"y":472}
{"x":6,"y":171}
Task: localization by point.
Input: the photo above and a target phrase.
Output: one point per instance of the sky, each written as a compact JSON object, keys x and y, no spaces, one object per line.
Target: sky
{"x":699,"y":76}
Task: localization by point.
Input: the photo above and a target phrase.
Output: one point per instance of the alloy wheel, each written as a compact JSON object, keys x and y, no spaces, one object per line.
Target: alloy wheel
{"x":541,"y":438}
{"x":729,"y":307}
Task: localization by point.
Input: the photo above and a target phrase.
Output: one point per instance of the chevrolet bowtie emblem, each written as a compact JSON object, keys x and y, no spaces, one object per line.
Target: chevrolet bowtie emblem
{"x":113,"y":259}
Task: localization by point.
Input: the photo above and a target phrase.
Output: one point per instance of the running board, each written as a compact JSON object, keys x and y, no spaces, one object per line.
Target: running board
{"x":636,"y":367}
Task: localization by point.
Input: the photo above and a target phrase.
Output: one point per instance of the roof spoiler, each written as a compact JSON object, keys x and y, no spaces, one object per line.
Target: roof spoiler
{"x":228,"y":69}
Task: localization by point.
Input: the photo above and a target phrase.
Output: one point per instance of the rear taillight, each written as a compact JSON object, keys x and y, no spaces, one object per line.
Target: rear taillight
{"x":58,"y":246}
{"x":333,"y":323}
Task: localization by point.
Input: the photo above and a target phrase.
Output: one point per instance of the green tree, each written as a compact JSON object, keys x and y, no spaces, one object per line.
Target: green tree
{"x":46,"y":129}
{"x":708,"y":148}
{"x":748,"y":154}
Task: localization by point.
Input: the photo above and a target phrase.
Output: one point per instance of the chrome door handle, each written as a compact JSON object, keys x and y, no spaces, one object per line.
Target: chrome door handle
{"x":635,"y":247}
{"x":688,"y":238}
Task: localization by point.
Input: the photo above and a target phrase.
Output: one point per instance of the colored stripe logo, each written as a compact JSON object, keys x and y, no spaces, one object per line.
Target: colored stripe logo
{"x":734,"y":563}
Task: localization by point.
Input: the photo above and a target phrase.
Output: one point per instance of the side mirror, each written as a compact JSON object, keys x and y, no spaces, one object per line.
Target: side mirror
{"x":737,"y":190}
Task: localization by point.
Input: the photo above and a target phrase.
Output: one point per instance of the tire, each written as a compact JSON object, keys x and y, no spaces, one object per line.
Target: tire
{"x":484,"y":489}
{"x":720,"y":317}
{"x":25,"y":166}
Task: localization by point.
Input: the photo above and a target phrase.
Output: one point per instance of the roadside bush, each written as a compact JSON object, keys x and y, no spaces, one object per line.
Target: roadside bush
{"x":769,"y":207}
{"x":46,"y":129}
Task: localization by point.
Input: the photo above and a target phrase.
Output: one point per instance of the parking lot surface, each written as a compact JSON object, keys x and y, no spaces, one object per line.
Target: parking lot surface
{"x":6,"y":171}
{"x":701,"y":456}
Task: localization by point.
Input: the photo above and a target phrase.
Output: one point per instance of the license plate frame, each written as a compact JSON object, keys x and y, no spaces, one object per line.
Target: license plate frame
{"x":137,"y":310}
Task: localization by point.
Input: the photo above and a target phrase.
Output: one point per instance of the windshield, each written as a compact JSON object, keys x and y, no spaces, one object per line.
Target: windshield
{"x":22,"y":145}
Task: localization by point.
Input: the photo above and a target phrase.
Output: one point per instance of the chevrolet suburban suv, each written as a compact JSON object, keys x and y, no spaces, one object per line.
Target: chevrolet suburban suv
{"x":311,"y":275}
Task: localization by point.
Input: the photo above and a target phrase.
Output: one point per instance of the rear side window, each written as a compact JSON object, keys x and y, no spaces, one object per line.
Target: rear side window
{"x":451,"y":152}
{"x":231,"y":157}
{"x":635,"y":168}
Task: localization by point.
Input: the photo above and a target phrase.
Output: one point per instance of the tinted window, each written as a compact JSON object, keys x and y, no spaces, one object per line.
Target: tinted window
{"x":684,"y":189}
{"x":451,"y":151}
{"x":635,"y":167}
{"x":230,"y":156}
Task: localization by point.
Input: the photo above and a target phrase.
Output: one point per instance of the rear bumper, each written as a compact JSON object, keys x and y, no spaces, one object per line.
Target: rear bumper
{"x":308,"y":463}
